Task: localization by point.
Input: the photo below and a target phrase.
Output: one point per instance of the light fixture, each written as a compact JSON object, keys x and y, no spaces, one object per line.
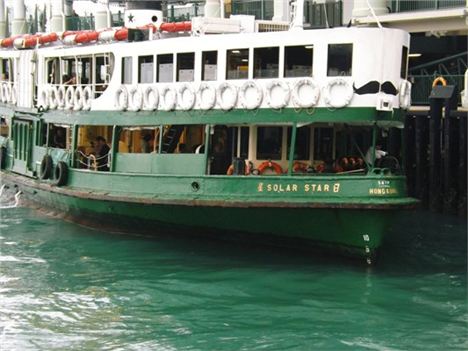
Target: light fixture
{"x":415,"y":55}
{"x":235,"y":51}
{"x":245,"y":60}
{"x":309,"y":47}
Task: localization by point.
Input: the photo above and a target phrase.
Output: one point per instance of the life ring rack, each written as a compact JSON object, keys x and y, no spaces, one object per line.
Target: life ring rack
{"x":269,"y":165}
{"x":344,"y":99}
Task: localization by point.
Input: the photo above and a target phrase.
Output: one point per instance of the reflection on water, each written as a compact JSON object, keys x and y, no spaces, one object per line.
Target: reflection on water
{"x":65,"y":287}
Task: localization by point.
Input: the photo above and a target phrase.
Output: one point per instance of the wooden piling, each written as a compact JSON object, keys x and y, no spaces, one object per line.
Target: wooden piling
{"x":435,"y":184}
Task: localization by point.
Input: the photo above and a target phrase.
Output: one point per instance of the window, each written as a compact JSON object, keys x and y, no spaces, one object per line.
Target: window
{"x":58,"y":137}
{"x":68,"y":70}
{"x":302,"y":147}
{"x":165,"y":68}
{"x":269,"y":143}
{"x":127,"y":66}
{"x":5,"y":70}
{"x":237,"y":65}
{"x":340,"y":59}
{"x":266,"y":62}
{"x":145,"y":69}
{"x":298,"y":61}
{"x":3,"y":127}
{"x":84,"y":69}
{"x":53,"y":71}
{"x":102,"y":72}
{"x":323,"y":144}
{"x":404,"y":63}
{"x":139,"y":140}
{"x":185,"y":67}
{"x":209,"y":65}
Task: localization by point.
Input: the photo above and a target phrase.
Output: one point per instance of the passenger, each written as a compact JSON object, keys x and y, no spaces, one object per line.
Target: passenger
{"x":146,"y":143}
{"x":102,"y":154}
{"x":379,"y":153}
{"x":72,"y":80}
{"x":59,"y":139}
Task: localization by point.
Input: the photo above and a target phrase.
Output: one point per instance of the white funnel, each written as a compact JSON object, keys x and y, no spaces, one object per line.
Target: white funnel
{"x":18,"y":25}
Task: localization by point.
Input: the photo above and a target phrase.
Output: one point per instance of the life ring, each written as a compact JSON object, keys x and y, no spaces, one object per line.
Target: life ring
{"x":78,"y":99}
{"x":69,"y":98}
{"x":230,"y":103}
{"x":61,"y":91}
{"x":135,"y":97}
{"x":256,"y":100}
{"x":320,"y":168}
{"x":13,"y":95}
{"x":248,"y":167}
{"x":300,"y":167}
{"x":269,"y":165}
{"x":206,"y":96}
{"x":87,"y":98}
{"x":150,"y":99}
{"x":168,"y":104}
{"x":46,"y":167}
{"x":338,"y":100}
{"x":342,"y":165}
{"x":311,"y":95}
{"x":44,"y":102}
{"x":121,"y":98}
{"x":61,"y":173}
{"x":440,"y":80}
{"x":405,"y":94}
{"x":186,"y":97}
{"x":281,"y":99}
{"x":53,"y":92}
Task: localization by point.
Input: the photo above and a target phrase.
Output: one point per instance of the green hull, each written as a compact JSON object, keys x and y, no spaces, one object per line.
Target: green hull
{"x":354,"y":227}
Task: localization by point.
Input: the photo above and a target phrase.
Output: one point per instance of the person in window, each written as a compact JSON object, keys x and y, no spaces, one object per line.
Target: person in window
{"x":146,"y":143}
{"x":379,"y":153}
{"x":72,"y":80}
{"x":59,"y":138}
{"x":102,"y":153}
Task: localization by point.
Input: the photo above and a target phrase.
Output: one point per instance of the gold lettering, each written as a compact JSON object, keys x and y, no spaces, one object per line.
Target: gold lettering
{"x":314,"y":186}
{"x":371,"y":191}
{"x":260,"y":187}
{"x":319,"y":188}
{"x":336,"y":187}
{"x":326,"y":187}
{"x":294,"y":187}
{"x":269,"y":187}
{"x":306,"y":188}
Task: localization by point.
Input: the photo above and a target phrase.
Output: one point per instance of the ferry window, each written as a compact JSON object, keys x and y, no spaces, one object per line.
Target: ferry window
{"x":302,"y":147}
{"x":102,"y":73}
{"x":323,"y":144}
{"x":404,"y":63}
{"x":138,"y":140}
{"x":266,"y":62}
{"x":269,"y":143}
{"x":180,"y":139}
{"x":57,"y":137}
{"x":5,"y":70}
{"x":145,"y":69}
{"x":340,"y":59}
{"x":127,"y":66}
{"x":237,"y":66}
{"x":210,"y":65}
{"x":244,"y":142}
{"x":3,"y":127}
{"x":298,"y":61}
{"x":68,"y":71}
{"x":53,"y":71}
{"x":84,"y":69}
{"x":165,"y":68}
{"x":185,"y":67}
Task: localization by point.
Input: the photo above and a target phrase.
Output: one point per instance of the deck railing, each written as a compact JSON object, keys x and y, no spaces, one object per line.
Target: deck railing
{"x":421,"y":5}
{"x":422,"y":86}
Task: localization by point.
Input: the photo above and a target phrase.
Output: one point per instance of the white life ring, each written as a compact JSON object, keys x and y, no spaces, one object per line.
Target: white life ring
{"x":78,"y":99}
{"x":14,"y":95}
{"x":227,"y":103}
{"x":135,"y":99}
{"x":87,"y":98}
{"x":168,"y":103}
{"x":53,"y":92}
{"x":305,"y":93}
{"x":150,"y":99}
{"x":405,"y":94}
{"x":248,"y":100}
{"x":341,"y":99}
{"x":206,"y":96}
{"x":6,"y":92}
{"x":121,"y":98}
{"x":278,"y":94}
{"x":69,"y":97}
{"x":44,"y":100}
{"x":186,"y":97}
{"x":61,"y":96}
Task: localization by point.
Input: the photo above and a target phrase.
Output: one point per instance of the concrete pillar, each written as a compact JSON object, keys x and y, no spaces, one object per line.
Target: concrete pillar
{"x":18,"y":25}
{"x":3,"y":26}
{"x":281,"y":11}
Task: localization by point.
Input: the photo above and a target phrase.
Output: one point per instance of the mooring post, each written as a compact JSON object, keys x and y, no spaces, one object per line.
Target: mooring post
{"x":421,"y":139}
{"x":435,"y":113}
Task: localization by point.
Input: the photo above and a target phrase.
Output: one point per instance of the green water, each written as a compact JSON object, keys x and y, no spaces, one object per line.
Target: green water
{"x":65,"y":287}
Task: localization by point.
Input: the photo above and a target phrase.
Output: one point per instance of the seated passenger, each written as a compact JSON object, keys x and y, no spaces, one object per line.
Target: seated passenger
{"x":102,"y":154}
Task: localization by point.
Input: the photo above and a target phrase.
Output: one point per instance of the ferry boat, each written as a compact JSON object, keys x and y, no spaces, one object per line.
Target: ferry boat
{"x":211,"y":126}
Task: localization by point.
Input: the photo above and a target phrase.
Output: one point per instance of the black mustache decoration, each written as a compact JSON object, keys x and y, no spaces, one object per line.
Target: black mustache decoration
{"x":373,"y":87}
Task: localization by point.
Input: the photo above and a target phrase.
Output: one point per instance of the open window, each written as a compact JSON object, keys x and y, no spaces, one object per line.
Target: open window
{"x":269,"y":143}
{"x":103,"y":70}
{"x":127,"y":70}
{"x":209,"y":65}
{"x":4,"y":128}
{"x":138,"y":140}
{"x":185,"y":67}
{"x":340,"y":60}
{"x":237,"y":64}
{"x":302,"y":147}
{"x":323,"y":143}
{"x":298,"y":61}
{"x":53,"y":71}
{"x":84,"y":70}
{"x":145,"y":69}
{"x":68,"y":71}
{"x":7,"y":69}
{"x":404,"y":63}
{"x":266,"y":62}
{"x":59,"y":136}
{"x":165,"y":68}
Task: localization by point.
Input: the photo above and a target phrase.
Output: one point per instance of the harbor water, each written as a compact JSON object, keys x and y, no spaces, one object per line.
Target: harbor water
{"x":67,"y":287}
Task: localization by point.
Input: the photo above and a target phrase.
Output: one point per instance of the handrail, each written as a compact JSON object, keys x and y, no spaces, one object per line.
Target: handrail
{"x":436,"y":62}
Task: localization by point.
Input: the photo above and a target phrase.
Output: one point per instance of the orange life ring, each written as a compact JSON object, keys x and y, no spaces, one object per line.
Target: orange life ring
{"x":248,"y":167}
{"x":300,"y":167}
{"x":230,"y":170}
{"x":320,"y":168}
{"x":439,"y":80}
{"x":269,"y":165}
